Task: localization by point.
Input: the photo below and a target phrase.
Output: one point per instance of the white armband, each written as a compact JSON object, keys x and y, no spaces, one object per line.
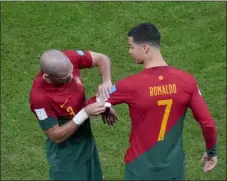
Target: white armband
{"x":80,"y":117}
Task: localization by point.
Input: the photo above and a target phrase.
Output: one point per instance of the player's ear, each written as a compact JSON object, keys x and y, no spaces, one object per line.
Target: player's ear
{"x":146,"y":48}
{"x":46,"y":75}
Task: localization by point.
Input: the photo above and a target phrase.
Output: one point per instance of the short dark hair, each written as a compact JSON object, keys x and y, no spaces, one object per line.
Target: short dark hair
{"x":145,"y":33}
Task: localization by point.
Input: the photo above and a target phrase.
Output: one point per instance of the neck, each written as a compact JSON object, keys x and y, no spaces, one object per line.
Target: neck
{"x":155,"y":61}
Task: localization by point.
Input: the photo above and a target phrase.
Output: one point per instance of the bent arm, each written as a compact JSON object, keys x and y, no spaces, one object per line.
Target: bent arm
{"x":104,"y":65}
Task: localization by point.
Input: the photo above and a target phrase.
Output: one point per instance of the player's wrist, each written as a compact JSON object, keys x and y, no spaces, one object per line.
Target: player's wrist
{"x":212,"y":152}
{"x":106,"y":104}
{"x":80,"y":117}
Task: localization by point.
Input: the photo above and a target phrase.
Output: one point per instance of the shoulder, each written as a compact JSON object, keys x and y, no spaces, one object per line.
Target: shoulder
{"x":126,"y":84}
{"x":183,"y":75}
{"x":80,"y":59}
{"x":128,"y":79}
{"x":37,"y":94}
{"x":76,"y":54}
{"x":38,"y":99}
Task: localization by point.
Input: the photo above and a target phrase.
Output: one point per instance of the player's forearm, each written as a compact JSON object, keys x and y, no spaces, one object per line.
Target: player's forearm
{"x":203,"y":116}
{"x":61,"y":133}
{"x":210,"y":135}
{"x":64,"y":132}
{"x":91,"y":100}
{"x":105,"y":68}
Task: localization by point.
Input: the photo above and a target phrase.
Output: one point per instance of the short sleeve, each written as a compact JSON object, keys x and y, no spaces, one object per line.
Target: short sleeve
{"x":44,"y":112}
{"x":79,"y":58}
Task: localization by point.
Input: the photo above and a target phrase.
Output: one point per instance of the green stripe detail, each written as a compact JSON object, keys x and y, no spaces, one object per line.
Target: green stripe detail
{"x":73,"y":152}
{"x":164,"y":160}
{"x":62,"y":120}
{"x":48,"y":123}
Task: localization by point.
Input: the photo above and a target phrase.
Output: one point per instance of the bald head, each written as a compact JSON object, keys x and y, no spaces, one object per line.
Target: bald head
{"x":55,"y":63}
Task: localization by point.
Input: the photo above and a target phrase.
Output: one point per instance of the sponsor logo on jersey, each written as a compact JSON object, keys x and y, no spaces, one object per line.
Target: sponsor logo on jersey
{"x":62,"y":105}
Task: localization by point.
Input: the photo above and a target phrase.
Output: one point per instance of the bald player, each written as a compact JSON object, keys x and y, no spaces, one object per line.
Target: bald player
{"x":158,"y":98}
{"x":57,"y":99}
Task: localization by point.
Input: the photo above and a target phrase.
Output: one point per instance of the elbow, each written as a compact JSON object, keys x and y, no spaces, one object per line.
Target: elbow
{"x":207,"y":122}
{"x":105,"y":58}
{"x":55,"y":134}
{"x":55,"y":139}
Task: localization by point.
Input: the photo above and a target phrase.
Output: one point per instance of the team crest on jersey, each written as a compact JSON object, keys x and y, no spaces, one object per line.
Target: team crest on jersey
{"x":160,"y":77}
{"x":78,"y":81}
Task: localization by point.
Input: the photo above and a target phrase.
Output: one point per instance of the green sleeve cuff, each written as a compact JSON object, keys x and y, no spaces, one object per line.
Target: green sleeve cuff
{"x":48,"y":123}
{"x":212,"y":152}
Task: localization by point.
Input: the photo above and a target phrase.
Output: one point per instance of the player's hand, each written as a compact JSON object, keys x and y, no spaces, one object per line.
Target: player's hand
{"x":208,"y":162}
{"x":109,"y":117}
{"x":95,"y":109}
{"x":104,"y":90}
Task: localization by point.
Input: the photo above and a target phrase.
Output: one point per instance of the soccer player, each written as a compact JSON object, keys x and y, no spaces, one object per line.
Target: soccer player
{"x":57,"y":99}
{"x":158,"y":98}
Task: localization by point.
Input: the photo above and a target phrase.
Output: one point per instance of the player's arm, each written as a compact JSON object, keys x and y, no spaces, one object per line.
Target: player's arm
{"x":49,"y":123}
{"x":121,"y":93}
{"x":88,"y":59}
{"x":204,"y":118}
{"x":59,"y":134}
{"x":103,"y":63}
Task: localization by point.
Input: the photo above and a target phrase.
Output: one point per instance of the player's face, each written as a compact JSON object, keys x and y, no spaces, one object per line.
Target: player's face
{"x":136,"y":51}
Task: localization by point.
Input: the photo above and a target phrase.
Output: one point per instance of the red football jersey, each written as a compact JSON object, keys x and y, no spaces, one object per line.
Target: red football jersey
{"x":48,"y":100}
{"x":158,"y":98}
{"x":55,"y":105}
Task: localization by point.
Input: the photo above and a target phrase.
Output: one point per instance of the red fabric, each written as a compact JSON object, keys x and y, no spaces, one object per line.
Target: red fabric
{"x":78,"y":60}
{"x":145,"y":90}
{"x":63,"y":101}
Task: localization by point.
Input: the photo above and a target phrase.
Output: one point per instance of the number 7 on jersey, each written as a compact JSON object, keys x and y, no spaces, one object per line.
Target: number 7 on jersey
{"x":168,"y":103}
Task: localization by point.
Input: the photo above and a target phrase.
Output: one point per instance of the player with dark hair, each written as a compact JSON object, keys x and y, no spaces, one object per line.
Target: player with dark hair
{"x":57,"y":99}
{"x":158,"y":98}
